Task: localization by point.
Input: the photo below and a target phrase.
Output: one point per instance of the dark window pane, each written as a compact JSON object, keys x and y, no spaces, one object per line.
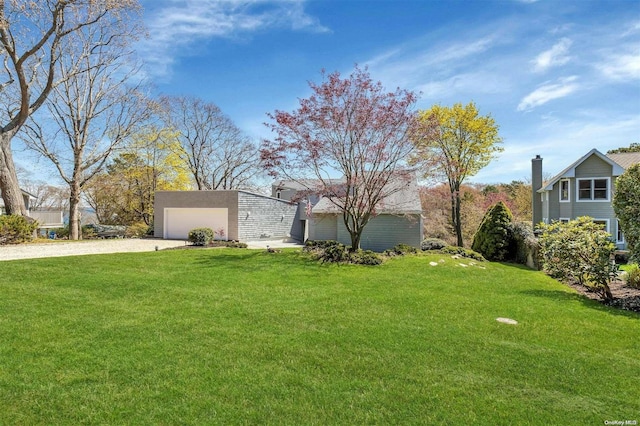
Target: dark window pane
{"x":584,"y":189}
{"x":600,"y":189}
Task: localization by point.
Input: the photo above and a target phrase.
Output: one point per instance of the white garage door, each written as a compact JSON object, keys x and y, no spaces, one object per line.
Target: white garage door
{"x":179,"y":221}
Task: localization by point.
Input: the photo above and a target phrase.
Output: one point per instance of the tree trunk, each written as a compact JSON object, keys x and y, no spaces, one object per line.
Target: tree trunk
{"x":458,"y":220}
{"x":74,"y":213}
{"x":11,"y":194}
{"x":355,"y":240}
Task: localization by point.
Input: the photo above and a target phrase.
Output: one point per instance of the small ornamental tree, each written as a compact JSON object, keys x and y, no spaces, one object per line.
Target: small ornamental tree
{"x":349,"y":126}
{"x":626,"y":204}
{"x":579,"y":250}
{"x":493,"y":239}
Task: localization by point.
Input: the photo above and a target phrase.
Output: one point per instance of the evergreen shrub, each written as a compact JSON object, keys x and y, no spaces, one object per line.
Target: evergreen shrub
{"x":433,"y":244}
{"x":16,"y":229}
{"x":494,"y":239}
{"x":201,"y":236}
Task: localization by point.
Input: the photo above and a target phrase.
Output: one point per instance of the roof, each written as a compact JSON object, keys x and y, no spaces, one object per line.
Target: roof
{"x":569,"y":172}
{"x":28,"y":194}
{"x":625,"y":159}
{"x":404,"y":200}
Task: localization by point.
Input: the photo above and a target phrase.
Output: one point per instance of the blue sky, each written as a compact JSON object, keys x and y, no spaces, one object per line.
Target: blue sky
{"x":559,"y":77}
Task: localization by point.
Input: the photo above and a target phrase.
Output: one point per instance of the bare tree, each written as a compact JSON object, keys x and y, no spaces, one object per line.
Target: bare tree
{"x":219,"y":155}
{"x":31,"y":37}
{"x":94,"y":108}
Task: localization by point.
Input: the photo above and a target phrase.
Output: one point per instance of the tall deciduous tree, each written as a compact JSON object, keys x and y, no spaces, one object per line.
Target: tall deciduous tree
{"x":463,"y":144}
{"x":219,"y":154}
{"x":96,"y":107}
{"x":124,"y":194}
{"x":350,"y":126}
{"x":626,"y":204}
{"x":32,"y":35}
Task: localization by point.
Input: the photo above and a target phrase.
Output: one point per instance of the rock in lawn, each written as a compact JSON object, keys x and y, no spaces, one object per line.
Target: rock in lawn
{"x":507,"y":321}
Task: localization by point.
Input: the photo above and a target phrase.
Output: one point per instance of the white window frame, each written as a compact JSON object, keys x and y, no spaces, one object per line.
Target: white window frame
{"x":568,"y":200}
{"x":564,"y":219}
{"x":619,"y":233}
{"x":592,"y":200}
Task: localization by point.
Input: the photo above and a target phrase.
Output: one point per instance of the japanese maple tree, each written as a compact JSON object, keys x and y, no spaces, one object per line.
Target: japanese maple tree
{"x":348,"y":142}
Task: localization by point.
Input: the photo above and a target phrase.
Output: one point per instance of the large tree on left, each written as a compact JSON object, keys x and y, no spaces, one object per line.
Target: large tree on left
{"x":32,"y":36}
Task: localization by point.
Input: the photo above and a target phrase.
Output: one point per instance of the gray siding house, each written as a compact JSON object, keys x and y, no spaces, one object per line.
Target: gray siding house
{"x":232,"y":214}
{"x":584,"y":188}
{"x":399,"y":218}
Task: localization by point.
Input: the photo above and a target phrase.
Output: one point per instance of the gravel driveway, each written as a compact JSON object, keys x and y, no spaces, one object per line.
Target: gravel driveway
{"x":76,"y":248}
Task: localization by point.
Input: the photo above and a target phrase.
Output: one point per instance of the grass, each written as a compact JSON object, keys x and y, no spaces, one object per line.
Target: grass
{"x":232,"y":336}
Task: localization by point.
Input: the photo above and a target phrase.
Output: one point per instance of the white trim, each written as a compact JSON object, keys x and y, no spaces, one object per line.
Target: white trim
{"x":619,"y":232}
{"x":564,"y":219}
{"x":592,"y":200}
{"x":568,"y":200}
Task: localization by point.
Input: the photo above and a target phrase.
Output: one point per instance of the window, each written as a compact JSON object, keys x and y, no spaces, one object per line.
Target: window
{"x":564,"y":190}
{"x":603,"y":222}
{"x":619,"y":234}
{"x":593,"y":189}
{"x":564,"y":220}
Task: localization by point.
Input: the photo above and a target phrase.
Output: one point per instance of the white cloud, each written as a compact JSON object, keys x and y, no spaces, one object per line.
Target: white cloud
{"x":547,"y":92}
{"x":183,"y":24}
{"x":621,"y":68}
{"x":555,"y":56}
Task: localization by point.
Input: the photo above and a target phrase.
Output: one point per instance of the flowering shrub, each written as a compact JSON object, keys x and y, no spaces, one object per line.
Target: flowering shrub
{"x":579,"y":250}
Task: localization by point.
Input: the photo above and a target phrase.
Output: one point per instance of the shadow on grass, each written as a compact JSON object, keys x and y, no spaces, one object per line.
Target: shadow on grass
{"x":572,"y":296}
{"x":243,"y":259}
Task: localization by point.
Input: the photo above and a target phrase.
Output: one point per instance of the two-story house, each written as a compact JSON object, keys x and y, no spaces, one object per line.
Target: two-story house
{"x":584,"y":188}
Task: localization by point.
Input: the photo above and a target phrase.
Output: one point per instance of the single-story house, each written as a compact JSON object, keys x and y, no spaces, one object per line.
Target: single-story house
{"x":46,"y":218}
{"x":26,"y":197}
{"x":398,"y":218}
{"x":585,"y":188}
{"x":231,"y":214}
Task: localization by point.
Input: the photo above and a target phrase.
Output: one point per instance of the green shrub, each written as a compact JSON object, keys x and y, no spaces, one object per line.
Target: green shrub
{"x":463,"y":252}
{"x":401,"y":249}
{"x":579,"y":250}
{"x":525,"y":243}
{"x":137,"y":230}
{"x":201,"y":236}
{"x":365,"y":257}
{"x":433,"y":244}
{"x":16,"y":229}
{"x":626,"y":204}
{"x":329,"y":251}
{"x":60,"y":232}
{"x":334,"y":252}
{"x":493,"y":239}
{"x":633,"y":277}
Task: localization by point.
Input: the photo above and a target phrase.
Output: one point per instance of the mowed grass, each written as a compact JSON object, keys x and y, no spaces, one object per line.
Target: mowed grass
{"x":247,"y":337}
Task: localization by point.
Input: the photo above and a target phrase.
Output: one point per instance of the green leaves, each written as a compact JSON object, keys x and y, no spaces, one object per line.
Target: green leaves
{"x":626,"y":204}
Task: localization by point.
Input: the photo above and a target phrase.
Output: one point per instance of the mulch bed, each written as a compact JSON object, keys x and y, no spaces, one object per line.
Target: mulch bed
{"x":626,"y":298}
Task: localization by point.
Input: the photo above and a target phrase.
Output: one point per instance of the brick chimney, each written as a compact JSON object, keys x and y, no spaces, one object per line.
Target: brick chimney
{"x":536,"y":184}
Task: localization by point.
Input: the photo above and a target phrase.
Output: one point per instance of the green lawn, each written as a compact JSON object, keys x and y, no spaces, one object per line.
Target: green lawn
{"x":246,"y":337}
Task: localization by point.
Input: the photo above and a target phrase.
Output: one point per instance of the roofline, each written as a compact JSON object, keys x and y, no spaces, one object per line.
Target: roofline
{"x":570,"y":171}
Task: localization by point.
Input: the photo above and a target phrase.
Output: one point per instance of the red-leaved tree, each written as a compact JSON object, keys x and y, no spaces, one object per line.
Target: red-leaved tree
{"x":348,"y":142}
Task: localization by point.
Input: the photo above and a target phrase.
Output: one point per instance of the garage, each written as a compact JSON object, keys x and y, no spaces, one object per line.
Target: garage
{"x":179,"y":221}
